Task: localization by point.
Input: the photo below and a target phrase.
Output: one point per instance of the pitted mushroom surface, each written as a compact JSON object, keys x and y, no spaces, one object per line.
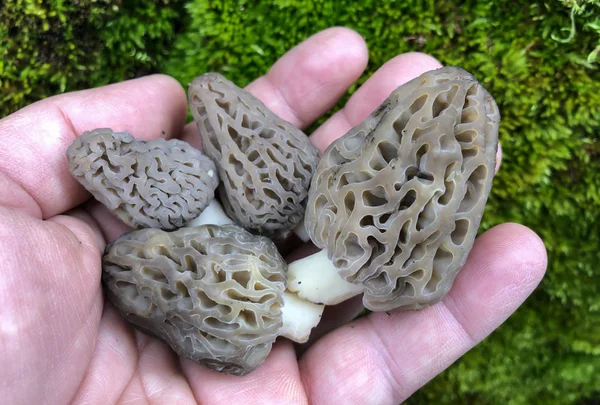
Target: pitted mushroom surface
{"x":213,"y":293}
{"x":397,"y":202}
{"x":265,"y":163}
{"x":155,"y":184}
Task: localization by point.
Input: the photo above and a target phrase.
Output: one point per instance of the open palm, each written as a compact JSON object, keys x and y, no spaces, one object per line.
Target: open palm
{"x":60,"y":343}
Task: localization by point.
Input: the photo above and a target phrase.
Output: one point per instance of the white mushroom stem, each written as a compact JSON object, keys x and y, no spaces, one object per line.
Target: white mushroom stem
{"x":299,"y":317}
{"x":300,"y":231}
{"x":213,"y":214}
{"x":316,"y":279}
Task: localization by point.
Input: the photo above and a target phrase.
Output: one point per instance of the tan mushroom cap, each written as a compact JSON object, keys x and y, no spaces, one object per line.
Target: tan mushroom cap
{"x":154,"y":184}
{"x":398,"y":200}
{"x":213,"y":293}
{"x":265,"y":163}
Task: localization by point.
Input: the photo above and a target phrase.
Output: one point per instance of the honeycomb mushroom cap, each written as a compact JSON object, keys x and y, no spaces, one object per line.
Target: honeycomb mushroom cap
{"x":213,"y":293}
{"x":398,"y":200}
{"x":265,"y":163}
{"x":154,"y":184}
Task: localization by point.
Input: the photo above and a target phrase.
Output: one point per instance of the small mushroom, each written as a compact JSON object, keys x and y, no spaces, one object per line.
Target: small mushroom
{"x":214,"y":294}
{"x":154,"y":184}
{"x":265,"y":163}
{"x":396,"y":203}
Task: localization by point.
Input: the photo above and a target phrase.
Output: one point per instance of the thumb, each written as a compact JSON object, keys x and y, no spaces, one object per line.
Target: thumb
{"x":50,"y":305}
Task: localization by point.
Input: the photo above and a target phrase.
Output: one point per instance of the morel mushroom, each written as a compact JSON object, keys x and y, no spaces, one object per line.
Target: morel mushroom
{"x":396,"y":202}
{"x":215,"y":294}
{"x":154,"y":184}
{"x":265,"y":163}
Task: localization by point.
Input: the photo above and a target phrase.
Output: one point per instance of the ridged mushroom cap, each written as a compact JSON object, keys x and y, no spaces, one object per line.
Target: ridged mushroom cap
{"x":213,"y":293}
{"x":265,"y":163}
{"x":147,"y":184}
{"x":398,"y":200}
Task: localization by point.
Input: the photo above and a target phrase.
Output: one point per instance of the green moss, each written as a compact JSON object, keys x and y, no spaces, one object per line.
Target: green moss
{"x":538,"y":58}
{"x":56,"y":46}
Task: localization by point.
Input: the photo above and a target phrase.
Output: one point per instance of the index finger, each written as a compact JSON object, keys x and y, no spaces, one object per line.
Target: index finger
{"x":34,"y":140}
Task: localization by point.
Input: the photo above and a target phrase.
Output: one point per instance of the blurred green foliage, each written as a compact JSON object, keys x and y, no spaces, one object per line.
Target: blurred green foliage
{"x":539,"y":59}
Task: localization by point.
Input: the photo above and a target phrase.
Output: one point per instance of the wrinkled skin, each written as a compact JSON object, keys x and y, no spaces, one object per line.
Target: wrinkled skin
{"x":61,"y":343}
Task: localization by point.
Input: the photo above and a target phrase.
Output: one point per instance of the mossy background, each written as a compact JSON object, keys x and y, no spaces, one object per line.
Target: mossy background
{"x":540,"y":60}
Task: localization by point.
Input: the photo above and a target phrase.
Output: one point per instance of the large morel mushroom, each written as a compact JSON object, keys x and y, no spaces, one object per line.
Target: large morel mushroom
{"x":214,"y":294}
{"x":265,"y":163}
{"x":146,"y":184}
{"x":396,"y":203}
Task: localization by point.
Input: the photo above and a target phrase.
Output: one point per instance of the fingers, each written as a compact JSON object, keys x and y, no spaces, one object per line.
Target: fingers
{"x":333,"y":317}
{"x":34,"y":141}
{"x":276,"y":381}
{"x":371,"y":94}
{"x":383,"y":359}
{"x":129,"y":367}
{"x":109,"y":225}
{"x":113,"y":363}
{"x":309,"y":79}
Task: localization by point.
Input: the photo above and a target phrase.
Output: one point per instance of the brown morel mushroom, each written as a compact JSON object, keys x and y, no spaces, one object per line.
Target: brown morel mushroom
{"x":396,"y":203}
{"x":265,"y":163}
{"x":215,"y":294}
{"x":154,"y":184}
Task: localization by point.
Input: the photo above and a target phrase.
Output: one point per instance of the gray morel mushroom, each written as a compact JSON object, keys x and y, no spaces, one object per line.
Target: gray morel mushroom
{"x":155,"y":184}
{"x":396,"y":202}
{"x":214,"y":294}
{"x":265,"y":163}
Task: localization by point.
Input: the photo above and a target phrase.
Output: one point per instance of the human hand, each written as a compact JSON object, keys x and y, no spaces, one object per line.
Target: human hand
{"x":60,"y":343}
